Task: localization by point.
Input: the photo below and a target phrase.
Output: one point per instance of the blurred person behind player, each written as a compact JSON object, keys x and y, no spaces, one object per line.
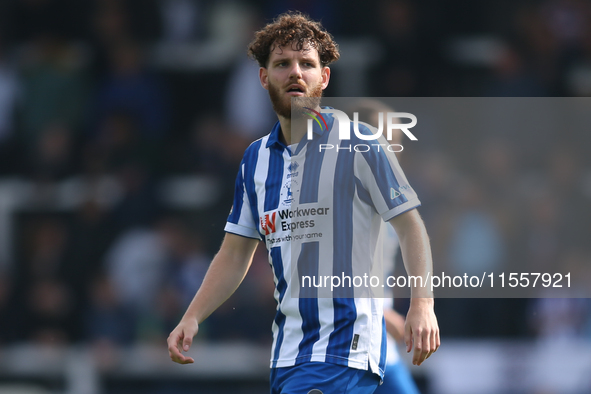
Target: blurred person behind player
{"x":315,"y":347}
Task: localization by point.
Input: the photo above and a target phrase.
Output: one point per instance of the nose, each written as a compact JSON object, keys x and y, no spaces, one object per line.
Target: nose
{"x":295,"y":71}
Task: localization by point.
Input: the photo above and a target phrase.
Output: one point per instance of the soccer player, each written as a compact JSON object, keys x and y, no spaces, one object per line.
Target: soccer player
{"x":320,"y":345}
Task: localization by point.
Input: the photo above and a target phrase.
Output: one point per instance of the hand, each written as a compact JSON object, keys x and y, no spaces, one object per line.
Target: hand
{"x":421,"y":330}
{"x":180,"y":339}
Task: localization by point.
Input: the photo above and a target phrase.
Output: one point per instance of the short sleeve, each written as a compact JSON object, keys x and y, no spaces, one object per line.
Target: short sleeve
{"x":379,"y":173}
{"x":240,"y":220}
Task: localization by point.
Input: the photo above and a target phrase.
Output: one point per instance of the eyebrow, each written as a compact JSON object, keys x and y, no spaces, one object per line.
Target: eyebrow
{"x":280,"y":59}
{"x":310,"y":59}
{"x":305,"y":58}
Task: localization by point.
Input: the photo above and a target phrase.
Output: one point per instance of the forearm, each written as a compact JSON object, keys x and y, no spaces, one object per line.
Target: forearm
{"x":421,"y":328}
{"x":416,"y":252}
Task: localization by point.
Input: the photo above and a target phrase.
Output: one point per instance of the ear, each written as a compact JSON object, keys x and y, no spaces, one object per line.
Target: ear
{"x":325,"y":77}
{"x":264,"y":78}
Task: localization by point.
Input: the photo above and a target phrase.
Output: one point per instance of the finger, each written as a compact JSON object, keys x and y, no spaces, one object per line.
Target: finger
{"x":430,"y":339}
{"x":178,"y":357}
{"x":434,"y":340}
{"x":175,"y":354}
{"x":186,"y":360}
{"x":438,"y":338}
{"x":172,"y":340}
{"x":174,"y":347}
{"x":432,"y":344}
{"x":408,"y":337}
{"x":187,"y":342}
{"x":418,"y":344}
{"x":426,"y":346}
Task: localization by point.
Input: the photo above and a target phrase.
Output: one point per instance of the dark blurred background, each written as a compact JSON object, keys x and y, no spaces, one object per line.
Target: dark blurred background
{"x":122,"y":124}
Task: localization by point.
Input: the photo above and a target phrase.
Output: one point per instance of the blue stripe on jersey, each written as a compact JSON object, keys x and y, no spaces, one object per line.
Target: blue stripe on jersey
{"x":308,"y":301}
{"x":274,"y":178}
{"x":383,"y":347}
{"x":345,"y":312}
{"x":250,"y":164}
{"x":238,"y":197}
{"x":311,"y":177}
{"x":281,"y":288}
{"x":382,"y":172}
{"x":343,"y":193}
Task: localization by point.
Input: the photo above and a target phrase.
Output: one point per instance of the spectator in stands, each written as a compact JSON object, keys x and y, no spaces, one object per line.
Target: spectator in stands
{"x":52,"y":157}
{"x":55,"y":87}
{"x":130,"y":87}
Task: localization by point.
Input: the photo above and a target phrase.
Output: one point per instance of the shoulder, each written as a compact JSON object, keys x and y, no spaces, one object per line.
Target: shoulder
{"x":256,"y":144}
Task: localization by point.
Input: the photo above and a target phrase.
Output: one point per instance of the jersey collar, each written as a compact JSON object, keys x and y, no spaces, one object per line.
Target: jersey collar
{"x":274,"y":139}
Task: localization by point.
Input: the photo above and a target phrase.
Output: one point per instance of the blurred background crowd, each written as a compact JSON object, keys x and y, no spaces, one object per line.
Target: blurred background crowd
{"x":112,"y":112}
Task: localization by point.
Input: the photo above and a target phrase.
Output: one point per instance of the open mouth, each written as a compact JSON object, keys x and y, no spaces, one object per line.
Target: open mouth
{"x":295,"y":89}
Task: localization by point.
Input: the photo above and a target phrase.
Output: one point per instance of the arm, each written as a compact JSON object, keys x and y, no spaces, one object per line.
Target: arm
{"x":226,"y":272}
{"x":394,"y":324}
{"x":421,"y":329}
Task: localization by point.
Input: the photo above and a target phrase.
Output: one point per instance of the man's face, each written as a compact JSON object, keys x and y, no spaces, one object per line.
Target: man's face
{"x":291,"y":73}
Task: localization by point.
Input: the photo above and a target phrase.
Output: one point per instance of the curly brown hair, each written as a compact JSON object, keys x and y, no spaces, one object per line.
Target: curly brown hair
{"x":295,"y":29}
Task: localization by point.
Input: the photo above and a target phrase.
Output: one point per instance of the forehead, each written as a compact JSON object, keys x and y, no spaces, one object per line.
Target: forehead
{"x":289,"y":51}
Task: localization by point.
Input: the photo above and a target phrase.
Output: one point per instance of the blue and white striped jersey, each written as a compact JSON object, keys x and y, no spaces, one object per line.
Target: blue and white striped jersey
{"x":320,"y":212}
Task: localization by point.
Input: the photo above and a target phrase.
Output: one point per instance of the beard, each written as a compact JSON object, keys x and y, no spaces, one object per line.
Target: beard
{"x":283,"y":107}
